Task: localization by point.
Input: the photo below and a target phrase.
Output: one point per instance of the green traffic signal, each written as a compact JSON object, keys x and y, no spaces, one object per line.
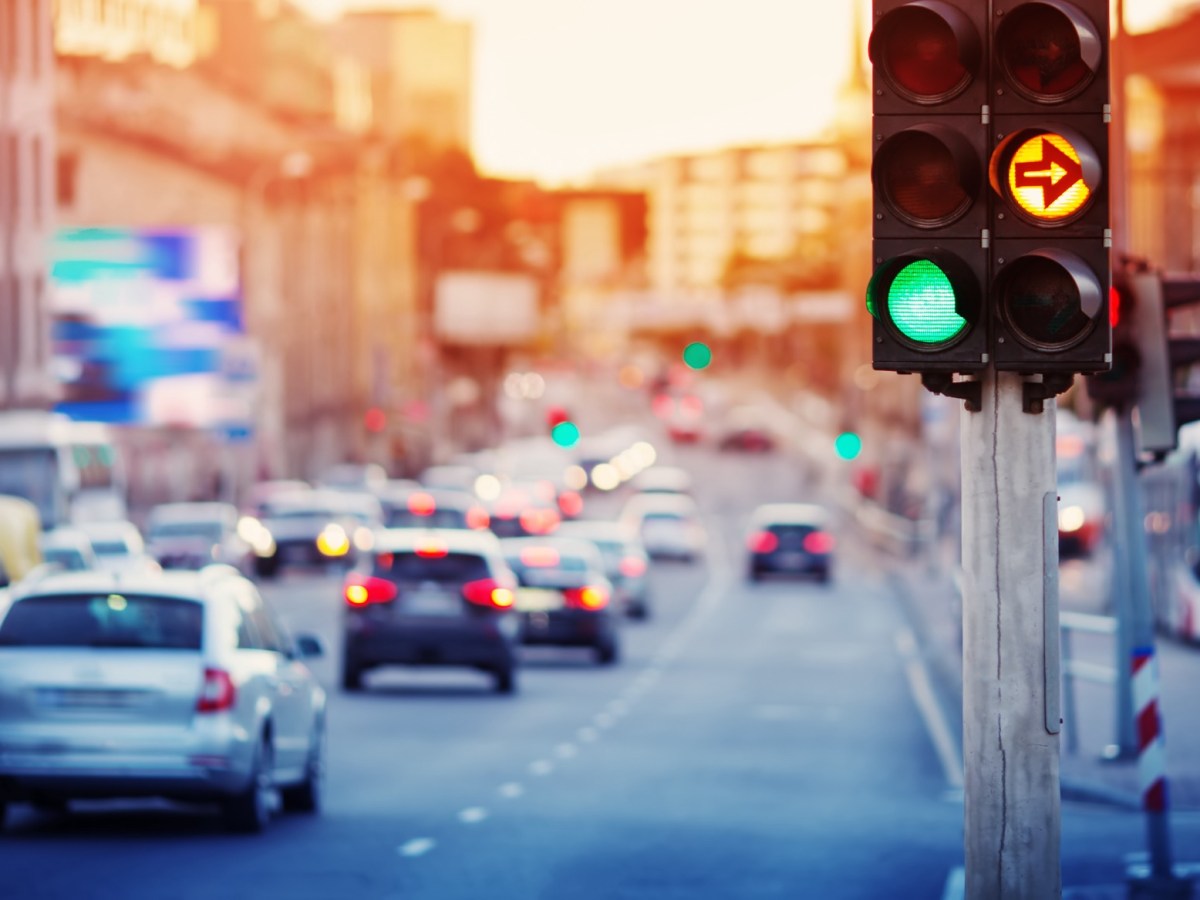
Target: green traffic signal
{"x":847,"y":445}
{"x":565,"y":434}
{"x":697,"y":356}
{"x":922,"y":304}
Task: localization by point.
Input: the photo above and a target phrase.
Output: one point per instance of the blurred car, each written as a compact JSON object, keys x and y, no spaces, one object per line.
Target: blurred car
{"x":432,"y":508}
{"x":119,"y":547}
{"x":431,"y":598}
{"x":454,"y":477}
{"x":790,"y":537}
{"x":662,"y":480}
{"x":305,"y":528}
{"x":68,"y":549}
{"x":563,"y":596}
{"x":685,"y":420}
{"x":258,"y":495}
{"x":747,"y":429}
{"x":626,"y":563}
{"x":668,"y":525}
{"x":193,"y":535}
{"x":179,"y":685}
{"x":369,"y":478}
{"x":523,"y":509}
{"x":1082,"y":502}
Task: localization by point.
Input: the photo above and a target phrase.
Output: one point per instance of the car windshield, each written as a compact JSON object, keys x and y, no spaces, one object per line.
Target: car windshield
{"x":450,"y":568}
{"x":210,"y":531}
{"x":65,"y":557}
{"x":439,"y":518}
{"x":104,"y":620}
{"x":110,"y":548}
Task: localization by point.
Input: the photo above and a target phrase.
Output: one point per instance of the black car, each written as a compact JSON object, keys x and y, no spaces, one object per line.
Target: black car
{"x":790,"y":537}
{"x":431,"y":598}
{"x":563,"y":596}
{"x":311,"y":528}
{"x":433,"y":508}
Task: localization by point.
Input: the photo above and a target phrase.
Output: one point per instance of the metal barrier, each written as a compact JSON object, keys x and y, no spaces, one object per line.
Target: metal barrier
{"x":1070,"y":622}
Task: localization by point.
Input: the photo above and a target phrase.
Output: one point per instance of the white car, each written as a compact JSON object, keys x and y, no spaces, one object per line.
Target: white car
{"x":668,"y":524}
{"x":180,"y":685}
{"x":119,"y":547}
{"x":193,"y":535}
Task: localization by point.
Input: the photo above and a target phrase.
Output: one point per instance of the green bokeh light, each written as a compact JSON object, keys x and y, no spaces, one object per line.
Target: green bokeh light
{"x":922,"y":305}
{"x":847,"y":445}
{"x":697,"y":356}
{"x":565,"y":434}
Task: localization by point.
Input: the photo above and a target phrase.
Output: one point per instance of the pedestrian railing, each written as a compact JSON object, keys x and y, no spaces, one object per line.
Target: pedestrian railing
{"x":1072,"y":669}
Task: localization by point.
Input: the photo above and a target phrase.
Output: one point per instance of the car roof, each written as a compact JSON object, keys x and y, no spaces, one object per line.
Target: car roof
{"x":661,"y":502}
{"x":65,"y":536}
{"x":567,"y":546}
{"x":447,"y":498}
{"x":201,"y":511}
{"x":791,"y":514}
{"x":456,"y":540}
{"x":181,"y":584}
{"x":597,"y":529}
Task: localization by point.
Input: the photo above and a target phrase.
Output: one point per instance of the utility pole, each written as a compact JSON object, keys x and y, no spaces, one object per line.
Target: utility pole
{"x":1011,"y":715}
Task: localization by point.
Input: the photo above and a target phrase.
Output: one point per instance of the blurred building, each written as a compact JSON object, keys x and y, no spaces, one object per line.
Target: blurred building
{"x":418,"y":68}
{"x":26,"y":200}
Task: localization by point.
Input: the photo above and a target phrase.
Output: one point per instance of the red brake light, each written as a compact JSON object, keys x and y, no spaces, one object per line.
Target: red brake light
{"x":432,"y":550}
{"x":539,"y":520}
{"x":489,"y":592}
{"x":589,"y":597}
{"x":663,"y":406}
{"x":570,"y":503}
{"x":691,"y":405}
{"x":421,"y":504}
{"x":539,"y":556}
{"x":361,"y":590}
{"x":818,"y":542}
{"x":216,"y":693}
{"x":478,"y":518}
{"x":633,"y":566}
{"x":762,"y":542}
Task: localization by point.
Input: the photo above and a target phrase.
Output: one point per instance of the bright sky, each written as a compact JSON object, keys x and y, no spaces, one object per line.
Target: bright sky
{"x":563,"y":87}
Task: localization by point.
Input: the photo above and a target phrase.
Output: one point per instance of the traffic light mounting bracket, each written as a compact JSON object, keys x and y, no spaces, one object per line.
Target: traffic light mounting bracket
{"x":1036,"y":393}
{"x":971,"y":392}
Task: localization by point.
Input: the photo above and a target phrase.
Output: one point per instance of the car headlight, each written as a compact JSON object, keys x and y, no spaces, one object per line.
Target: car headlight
{"x":1071,"y":518}
{"x":333,"y":541}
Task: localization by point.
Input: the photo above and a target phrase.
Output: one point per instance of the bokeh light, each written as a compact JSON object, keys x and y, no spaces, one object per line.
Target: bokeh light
{"x":697,"y":355}
{"x":565,"y":434}
{"x":606,"y":477}
{"x":848,"y":445}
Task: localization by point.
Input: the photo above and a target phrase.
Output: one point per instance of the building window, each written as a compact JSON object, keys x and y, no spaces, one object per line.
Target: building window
{"x":67,"y":169}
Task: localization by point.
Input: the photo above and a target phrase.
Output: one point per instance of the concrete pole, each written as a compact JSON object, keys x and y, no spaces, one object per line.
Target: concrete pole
{"x":1011,"y":715}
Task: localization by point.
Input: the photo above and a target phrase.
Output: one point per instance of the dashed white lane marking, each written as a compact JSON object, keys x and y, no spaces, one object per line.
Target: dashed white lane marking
{"x":472,"y":815}
{"x":603,"y":720}
{"x":541,"y":767}
{"x":587,"y":734}
{"x":512,"y":790}
{"x":416,"y":847}
{"x":931,"y":712}
{"x":566,"y":751}
{"x":617,"y":708}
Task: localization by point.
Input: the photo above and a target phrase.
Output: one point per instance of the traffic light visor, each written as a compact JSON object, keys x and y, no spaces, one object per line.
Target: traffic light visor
{"x":927,"y":51}
{"x":1049,"y":51}
{"x":927,"y":175}
{"x":928,"y":302}
{"x":1050,"y":298}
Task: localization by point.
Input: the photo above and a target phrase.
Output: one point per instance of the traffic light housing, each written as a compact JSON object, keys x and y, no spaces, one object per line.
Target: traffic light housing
{"x":991,"y":238}
{"x":1120,"y":386}
{"x":1051,"y":238}
{"x":926,"y":296}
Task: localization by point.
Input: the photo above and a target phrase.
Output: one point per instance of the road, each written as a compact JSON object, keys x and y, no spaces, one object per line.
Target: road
{"x":774,"y":740}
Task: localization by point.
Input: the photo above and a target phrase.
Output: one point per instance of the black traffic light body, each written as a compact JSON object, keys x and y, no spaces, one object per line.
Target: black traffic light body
{"x":927,"y":296}
{"x":1051,"y":237}
{"x":991,"y":231}
{"x":1120,"y":386}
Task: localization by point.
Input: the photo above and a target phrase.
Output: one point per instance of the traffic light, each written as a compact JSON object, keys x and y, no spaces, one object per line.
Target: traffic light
{"x":972,"y":93}
{"x":929,"y":180}
{"x":1050,"y":235}
{"x":1120,"y":386}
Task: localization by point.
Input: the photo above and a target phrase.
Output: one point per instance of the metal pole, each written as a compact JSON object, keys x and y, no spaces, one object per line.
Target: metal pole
{"x":1125,"y":579}
{"x":1137,"y":670}
{"x":1011,"y":714}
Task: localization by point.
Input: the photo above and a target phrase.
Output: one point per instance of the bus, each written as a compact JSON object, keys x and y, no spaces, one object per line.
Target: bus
{"x":70,"y":471}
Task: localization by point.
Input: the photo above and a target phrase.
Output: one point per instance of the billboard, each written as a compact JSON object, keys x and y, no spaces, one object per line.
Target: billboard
{"x":144,"y":324}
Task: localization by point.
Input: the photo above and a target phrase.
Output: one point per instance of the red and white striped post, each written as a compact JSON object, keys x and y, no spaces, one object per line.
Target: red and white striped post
{"x":1152,"y":770}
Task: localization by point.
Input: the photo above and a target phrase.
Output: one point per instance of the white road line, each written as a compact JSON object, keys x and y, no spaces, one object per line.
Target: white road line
{"x":416,"y":847}
{"x":931,"y":712}
{"x":956,"y":884}
{"x":541,"y":767}
{"x":587,"y":734}
{"x":566,"y":750}
{"x":603,"y":720}
{"x":512,"y":790}
{"x":472,"y":814}
{"x":617,"y":708}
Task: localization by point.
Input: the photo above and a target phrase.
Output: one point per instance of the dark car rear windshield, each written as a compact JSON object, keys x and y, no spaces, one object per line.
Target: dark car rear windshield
{"x":104,"y":620}
{"x":440,"y":518}
{"x":791,"y":530}
{"x":453,"y":568}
